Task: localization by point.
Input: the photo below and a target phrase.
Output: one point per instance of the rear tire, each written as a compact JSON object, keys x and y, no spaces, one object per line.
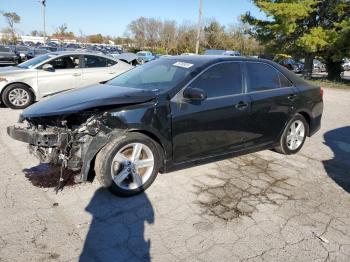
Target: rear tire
{"x":17,"y":96}
{"x":125,"y":172}
{"x":294,"y":135}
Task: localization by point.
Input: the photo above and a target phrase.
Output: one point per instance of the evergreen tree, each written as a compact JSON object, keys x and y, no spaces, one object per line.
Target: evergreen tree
{"x":306,"y":28}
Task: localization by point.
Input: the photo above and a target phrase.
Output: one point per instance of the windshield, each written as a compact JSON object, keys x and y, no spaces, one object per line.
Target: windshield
{"x":34,"y":61}
{"x":162,"y":74}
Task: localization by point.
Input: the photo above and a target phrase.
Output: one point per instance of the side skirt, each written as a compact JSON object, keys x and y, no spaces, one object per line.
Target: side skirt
{"x":171,"y":166}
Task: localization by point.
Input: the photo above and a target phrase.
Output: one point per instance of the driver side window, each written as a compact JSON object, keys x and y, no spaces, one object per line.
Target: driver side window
{"x":65,"y":62}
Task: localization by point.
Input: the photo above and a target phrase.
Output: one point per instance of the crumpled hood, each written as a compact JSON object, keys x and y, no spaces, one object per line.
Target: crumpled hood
{"x":85,"y":98}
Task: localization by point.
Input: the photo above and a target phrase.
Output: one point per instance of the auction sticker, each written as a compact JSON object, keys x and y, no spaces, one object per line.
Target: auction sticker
{"x":183,"y":64}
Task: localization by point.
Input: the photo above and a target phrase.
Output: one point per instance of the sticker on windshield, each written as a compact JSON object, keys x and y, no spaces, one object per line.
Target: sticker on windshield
{"x":183,"y":64}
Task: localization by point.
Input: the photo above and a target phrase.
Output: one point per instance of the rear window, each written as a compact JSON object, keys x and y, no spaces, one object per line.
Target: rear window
{"x":91,"y":61}
{"x":262,"y":77}
{"x":220,"y":80}
{"x":284,"y":81}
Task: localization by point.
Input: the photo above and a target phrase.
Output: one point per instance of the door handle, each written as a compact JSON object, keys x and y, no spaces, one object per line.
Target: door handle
{"x":76,"y":74}
{"x":292,"y":97}
{"x":241,"y":105}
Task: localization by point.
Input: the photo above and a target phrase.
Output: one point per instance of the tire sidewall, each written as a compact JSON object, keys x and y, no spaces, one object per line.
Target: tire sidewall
{"x":8,"y":89}
{"x":107,"y":162}
{"x":285,"y":133}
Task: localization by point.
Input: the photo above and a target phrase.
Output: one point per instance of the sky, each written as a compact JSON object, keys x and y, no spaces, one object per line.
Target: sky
{"x":111,"y":17}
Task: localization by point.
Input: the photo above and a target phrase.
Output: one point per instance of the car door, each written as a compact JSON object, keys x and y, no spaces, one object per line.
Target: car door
{"x":215,"y":125}
{"x":97,"y":69}
{"x":272,"y":102}
{"x":66,"y":73}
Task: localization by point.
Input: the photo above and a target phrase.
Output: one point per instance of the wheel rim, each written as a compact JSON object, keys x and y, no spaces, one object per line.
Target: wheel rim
{"x":18,"y":97}
{"x":296,"y":135}
{"x":132,"y":166}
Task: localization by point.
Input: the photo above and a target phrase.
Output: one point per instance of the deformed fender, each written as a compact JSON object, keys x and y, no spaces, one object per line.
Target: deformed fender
{"x":93,"y":148}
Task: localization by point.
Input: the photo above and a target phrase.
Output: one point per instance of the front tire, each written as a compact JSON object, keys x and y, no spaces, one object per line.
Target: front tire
{"x":128,"y":165}
{"x":17,"y":96}
{"x":294,"y":135}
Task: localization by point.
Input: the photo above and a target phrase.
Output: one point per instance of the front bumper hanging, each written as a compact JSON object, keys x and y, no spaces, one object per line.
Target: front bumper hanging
{"x":36,"y":138}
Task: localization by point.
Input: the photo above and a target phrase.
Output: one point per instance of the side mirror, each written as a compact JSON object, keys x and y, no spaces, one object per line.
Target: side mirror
{"x":48,"y":67}
{"x":194,"y":94}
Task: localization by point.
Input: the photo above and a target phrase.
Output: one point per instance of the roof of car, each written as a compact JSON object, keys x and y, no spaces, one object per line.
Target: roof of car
{"x":207,"y":60}
{"x":57,"y":53}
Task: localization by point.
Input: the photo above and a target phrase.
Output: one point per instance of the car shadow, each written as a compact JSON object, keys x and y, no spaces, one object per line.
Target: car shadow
{"x":338,"y":168}
{"x":116,"y":232}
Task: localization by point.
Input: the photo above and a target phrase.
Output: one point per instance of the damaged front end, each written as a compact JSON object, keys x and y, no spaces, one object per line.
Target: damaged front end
{"x":71,"y":141}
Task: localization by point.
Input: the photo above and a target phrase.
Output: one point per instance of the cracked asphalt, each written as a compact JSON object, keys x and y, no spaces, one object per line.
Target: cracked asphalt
{"x":258,"y":207}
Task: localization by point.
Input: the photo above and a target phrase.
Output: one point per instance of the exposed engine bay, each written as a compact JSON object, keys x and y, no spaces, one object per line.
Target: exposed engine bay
{"x":71,"y":141}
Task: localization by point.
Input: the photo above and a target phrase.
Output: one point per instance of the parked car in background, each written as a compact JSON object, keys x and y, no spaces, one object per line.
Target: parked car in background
{"x":145,"y":56}
{"x":21,"y":51}
{"x":7,"y":56}
{"x":170,"y":114}
{"x":346,"y":64}
{"x":36,"y":52}
{"x":129,"y":58}
{"x":291,"y":65}
{"x":52,"y":73}
{"x":318,"y":66}
{"x":222,"y":52}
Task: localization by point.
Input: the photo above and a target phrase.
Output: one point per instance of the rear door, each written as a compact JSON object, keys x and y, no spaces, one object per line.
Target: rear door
{"x":273,"y":98}
{"x":215,"y":125}
{"x":97,"y":69}
{"x":67,"y":74}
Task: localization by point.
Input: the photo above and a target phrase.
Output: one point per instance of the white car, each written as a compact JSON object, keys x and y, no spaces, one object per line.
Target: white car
{"x":55,"y":72}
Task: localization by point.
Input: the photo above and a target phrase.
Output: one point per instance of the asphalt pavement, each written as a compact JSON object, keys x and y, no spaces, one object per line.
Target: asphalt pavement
{"x":258,"y":207}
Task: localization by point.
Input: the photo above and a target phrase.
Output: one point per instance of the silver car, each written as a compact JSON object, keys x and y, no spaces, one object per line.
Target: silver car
{"x":55,"y":72}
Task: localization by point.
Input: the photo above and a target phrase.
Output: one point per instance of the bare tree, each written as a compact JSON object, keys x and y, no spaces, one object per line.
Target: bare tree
{"x":153,"y":28}
{"x":168,"y":35}
{"x":12,"y":19}
{"x":137,"y":29}
{"x":186,"y":36}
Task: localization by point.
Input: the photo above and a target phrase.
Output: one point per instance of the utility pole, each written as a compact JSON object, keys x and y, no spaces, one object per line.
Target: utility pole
{"x":199,"y":25}
{"x":43,"y":4}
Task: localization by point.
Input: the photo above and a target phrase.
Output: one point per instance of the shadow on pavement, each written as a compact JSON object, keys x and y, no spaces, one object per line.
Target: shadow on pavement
{"x":338,"y":168}
{"x":116,"y":232}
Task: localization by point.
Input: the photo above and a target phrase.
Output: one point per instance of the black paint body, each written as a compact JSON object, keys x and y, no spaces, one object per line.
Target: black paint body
{"x":193,"y":132}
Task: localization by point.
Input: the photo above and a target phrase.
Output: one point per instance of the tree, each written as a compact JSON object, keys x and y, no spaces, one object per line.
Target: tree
{"x":62,"y":33}
{"x":186,"y":37}
{"x":36,"y":33}
{"x":215,"y":36}
{"x":96,"y":39}
{"x":138,"y":31}
{"x":305,"y":27}
{"x":168,"y":36}
{"x":12,"y":19}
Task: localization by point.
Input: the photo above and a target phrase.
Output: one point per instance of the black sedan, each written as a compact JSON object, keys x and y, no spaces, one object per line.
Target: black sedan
{"x":169,"y":114}
{"x":7,"y":56}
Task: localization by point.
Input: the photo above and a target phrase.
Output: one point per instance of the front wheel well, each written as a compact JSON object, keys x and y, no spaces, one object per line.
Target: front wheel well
{"x":158,"y":143}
